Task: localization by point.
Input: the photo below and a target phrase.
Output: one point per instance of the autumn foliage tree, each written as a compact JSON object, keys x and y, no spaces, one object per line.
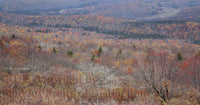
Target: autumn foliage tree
{"x":190,"y":71}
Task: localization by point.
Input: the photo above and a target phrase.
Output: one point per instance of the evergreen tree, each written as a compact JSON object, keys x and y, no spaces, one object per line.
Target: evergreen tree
{"x":100,"y":51}
{"x":179,"y":56}
{"x":54,"y":50}
{"x":92,"y":58}
{"x":39,"y":47}
{"x":70,"y":53}
{"x":119,"y":53}
{"x":134,"y":46}
{"x":13,"y":36}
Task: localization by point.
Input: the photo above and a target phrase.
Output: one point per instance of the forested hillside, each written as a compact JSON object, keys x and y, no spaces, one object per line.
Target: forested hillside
{"x":99,"y":52}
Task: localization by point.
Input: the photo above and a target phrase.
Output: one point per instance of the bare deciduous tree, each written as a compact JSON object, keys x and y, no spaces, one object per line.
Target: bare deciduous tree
{"x":158,"y":72}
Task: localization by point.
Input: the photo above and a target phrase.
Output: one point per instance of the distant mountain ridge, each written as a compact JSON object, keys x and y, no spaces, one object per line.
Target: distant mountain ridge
{"x":128,"y":9}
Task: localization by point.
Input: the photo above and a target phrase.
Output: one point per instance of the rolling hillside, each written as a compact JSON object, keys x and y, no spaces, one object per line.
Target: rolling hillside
{"x":129,"y":9}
